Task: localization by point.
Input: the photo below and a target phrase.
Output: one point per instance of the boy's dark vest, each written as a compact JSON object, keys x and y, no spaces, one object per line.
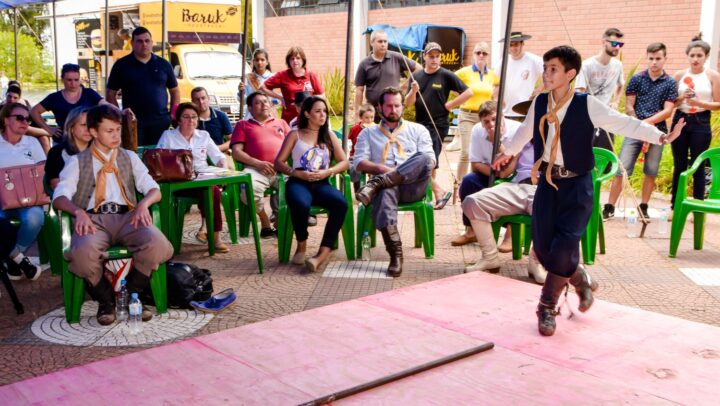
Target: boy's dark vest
{"x":86,"y":180}
{"x":576,"y":134}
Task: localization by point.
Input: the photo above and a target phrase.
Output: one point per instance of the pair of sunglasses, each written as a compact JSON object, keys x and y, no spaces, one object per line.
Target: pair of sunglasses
{"x":482,"y":53}
{"x":615,"y":43}
{"x":21,"y":118}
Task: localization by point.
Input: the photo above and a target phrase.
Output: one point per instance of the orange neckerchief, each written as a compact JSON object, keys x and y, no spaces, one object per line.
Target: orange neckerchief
{"x":108,"y":166}
{"x":392,"y":139}
{"x":550,"y":117}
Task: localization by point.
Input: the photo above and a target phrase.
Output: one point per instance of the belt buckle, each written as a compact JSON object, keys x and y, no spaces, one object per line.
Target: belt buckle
{"x":109,"y":208}
{"x":563,"y":173}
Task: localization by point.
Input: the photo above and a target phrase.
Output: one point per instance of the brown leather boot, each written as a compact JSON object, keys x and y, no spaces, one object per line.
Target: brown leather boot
{"x":138,"y":282}
{"x":584,"y":287}
{"x":393,"y":245}
{"x":369,"y":189}
{"x":105,"y":296}
{"x":546,"y":312}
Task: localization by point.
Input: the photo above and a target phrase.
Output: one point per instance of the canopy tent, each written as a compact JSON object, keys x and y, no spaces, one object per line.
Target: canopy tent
{"x":17,"y":3}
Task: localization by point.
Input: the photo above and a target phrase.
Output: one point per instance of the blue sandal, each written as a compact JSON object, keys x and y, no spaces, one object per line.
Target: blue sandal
{"x":440,"y":204}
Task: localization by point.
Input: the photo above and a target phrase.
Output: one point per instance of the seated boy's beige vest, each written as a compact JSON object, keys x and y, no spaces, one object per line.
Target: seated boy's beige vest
{"x":86,"y":180}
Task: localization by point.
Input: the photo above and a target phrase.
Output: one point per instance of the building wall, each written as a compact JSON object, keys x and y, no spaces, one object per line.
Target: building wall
{"x":672,"y":22}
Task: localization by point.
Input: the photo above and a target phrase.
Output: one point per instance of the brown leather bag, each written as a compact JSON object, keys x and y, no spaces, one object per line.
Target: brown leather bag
{"x":129,"y":133}
{"x":169,"y":165}
{"x":22,"y":186}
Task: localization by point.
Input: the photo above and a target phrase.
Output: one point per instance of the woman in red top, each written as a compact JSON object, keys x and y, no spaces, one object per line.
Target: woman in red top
{"x":295,"y":79}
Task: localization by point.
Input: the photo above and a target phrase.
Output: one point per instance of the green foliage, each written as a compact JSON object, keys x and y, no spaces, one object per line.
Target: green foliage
{"x":30,"y":61}
{"x":25,"y":14}
{"x":334,"y":83}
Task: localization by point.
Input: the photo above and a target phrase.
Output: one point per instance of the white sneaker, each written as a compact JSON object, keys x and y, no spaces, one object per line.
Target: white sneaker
{"x":536,"y":270}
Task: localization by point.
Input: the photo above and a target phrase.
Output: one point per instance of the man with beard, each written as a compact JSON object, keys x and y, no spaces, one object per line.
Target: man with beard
{"x":400,"y":154}
{"x":521,"y":78}
{"x":602,"y":76}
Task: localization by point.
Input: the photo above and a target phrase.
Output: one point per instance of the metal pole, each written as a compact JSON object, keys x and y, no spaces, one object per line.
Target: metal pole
{"x":17,"y":73}
{"x":399,"y":375}
{"x":501,"y":90}
{"x":164,"y":28}
{"x":348,"y":56}
{"x":106,"y":70}
{"x":243,"y":46}
{"x":57,"y":77}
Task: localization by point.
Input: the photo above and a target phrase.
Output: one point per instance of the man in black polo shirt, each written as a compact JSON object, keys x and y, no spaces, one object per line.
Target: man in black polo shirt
{"x":144,"y":79}
{"x":381,"y":69}
{"x":214,"y":121}
{"x":435,"y":83}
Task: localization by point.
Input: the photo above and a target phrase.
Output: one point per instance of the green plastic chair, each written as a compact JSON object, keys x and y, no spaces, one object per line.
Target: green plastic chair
{"x":685,"y":205}
{"x":74,"y":286}
{"x":521,"y":227}
{"x":595,"y":230}
{"x":285,"y":227}
{"x":424,"y":216}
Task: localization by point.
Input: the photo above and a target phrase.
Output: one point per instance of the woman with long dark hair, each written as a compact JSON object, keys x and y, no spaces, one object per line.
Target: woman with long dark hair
{"x":261,"y":72}
{"x":75,"y":138}
{"x":313,"y":148}
{"x":698,"y":95}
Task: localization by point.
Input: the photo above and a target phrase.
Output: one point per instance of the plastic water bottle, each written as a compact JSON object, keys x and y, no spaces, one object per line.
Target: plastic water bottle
{"x":366,"y":246}
{"x":121,"y":302}
{"x":135,"y":320}
{"x":633,"y":226}
{"x":662,"y":223}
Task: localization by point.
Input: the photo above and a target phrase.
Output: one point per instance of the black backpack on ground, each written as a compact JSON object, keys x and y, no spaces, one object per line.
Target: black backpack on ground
{"x":185,"y":282}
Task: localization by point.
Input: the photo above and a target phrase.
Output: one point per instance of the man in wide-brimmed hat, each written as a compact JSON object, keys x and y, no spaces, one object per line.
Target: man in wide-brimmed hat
{"x":523,"y":71}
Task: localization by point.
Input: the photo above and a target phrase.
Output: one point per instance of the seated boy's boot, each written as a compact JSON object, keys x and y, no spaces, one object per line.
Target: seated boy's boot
{"x":584,"y":287}
{"x":377,"y":182}
{"x":393,"y":245}
{"x":548,"y":302}
{"x":105,"y":296}
{"x":138,"y":282}
{"x":490,"y":260}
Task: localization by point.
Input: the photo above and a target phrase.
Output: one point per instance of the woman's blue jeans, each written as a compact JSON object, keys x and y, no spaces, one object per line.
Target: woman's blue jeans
{"x":31,"y":221}
{"x":300,"y":195}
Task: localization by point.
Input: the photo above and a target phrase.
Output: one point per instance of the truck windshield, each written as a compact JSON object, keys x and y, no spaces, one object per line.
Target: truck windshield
{"x":220,"y":65}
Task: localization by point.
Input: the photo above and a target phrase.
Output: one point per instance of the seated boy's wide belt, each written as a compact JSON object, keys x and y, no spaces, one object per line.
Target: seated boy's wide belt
{"x":110,"y":208}
{"x":557,"y":172}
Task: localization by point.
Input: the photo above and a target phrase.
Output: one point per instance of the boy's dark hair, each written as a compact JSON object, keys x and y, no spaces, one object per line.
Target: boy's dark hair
{"x":103,"y":112}
{"x":613,"y":31}
{"x":697,"y":42}
{"x":568,"y":56}
{"x":657,"y":47}
{"x":14,"y":89}
{"x":140,"y":31}
{"x":392,"y":91}
{"x":364,"y":108}
{"x":251,"y":97}
{"x":487,"y":108}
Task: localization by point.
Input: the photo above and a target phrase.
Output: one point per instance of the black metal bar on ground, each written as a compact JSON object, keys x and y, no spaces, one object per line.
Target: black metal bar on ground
{"x":17,"y":72}
{"x":348,"y":55}
{"x":243,"y":52}
{"x":399,"y":375}
{"x":501,"y":89}
{"x":57,"y":76}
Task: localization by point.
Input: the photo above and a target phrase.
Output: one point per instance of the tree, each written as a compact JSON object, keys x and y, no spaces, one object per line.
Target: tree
{"x":30,"y":61}
{"x":27,"y":21}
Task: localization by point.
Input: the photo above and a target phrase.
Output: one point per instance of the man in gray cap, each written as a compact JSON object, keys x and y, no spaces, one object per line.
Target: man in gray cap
{"x":435,"y":84}
{"x":523,"y":71}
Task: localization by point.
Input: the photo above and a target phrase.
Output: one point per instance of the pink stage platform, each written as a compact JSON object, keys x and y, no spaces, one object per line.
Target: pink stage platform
{"x":611,"y":355}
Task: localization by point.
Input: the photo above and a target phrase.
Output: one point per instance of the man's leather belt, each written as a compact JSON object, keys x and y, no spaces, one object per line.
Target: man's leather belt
{"x":557,"y":172}
{"x":110,"y":208}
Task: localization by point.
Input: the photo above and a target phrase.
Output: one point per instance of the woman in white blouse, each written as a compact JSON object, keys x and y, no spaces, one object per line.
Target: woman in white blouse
{"x":185,"y":135}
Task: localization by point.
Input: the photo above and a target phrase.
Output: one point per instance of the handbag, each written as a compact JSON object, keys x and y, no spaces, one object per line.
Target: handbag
{"x":22,"y":186}
{"x":169,"y":165}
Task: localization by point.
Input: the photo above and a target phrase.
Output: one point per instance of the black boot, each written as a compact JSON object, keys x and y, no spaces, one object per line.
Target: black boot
{"x":368,"y":191}
{"x":584,"y":287}
{"x":551,"y":291}
{"x":393,"y":245}
{"x":105,"y":296}
{"x":138,"y":282}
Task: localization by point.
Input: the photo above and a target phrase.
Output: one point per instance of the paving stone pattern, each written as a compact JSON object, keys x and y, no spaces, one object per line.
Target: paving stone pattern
{"x":634,"y":272}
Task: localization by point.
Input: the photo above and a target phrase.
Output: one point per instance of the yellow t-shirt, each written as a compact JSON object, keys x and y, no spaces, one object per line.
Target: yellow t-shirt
{"x":482,"y":89}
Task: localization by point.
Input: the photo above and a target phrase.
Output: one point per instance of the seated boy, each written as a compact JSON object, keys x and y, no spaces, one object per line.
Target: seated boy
{"x":561,"y":124}
{"x":97,"y":187}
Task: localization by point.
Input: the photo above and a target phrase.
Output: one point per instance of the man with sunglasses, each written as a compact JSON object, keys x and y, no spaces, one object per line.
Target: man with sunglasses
{"x":523,"y":71}
{"x":602,"y":76}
